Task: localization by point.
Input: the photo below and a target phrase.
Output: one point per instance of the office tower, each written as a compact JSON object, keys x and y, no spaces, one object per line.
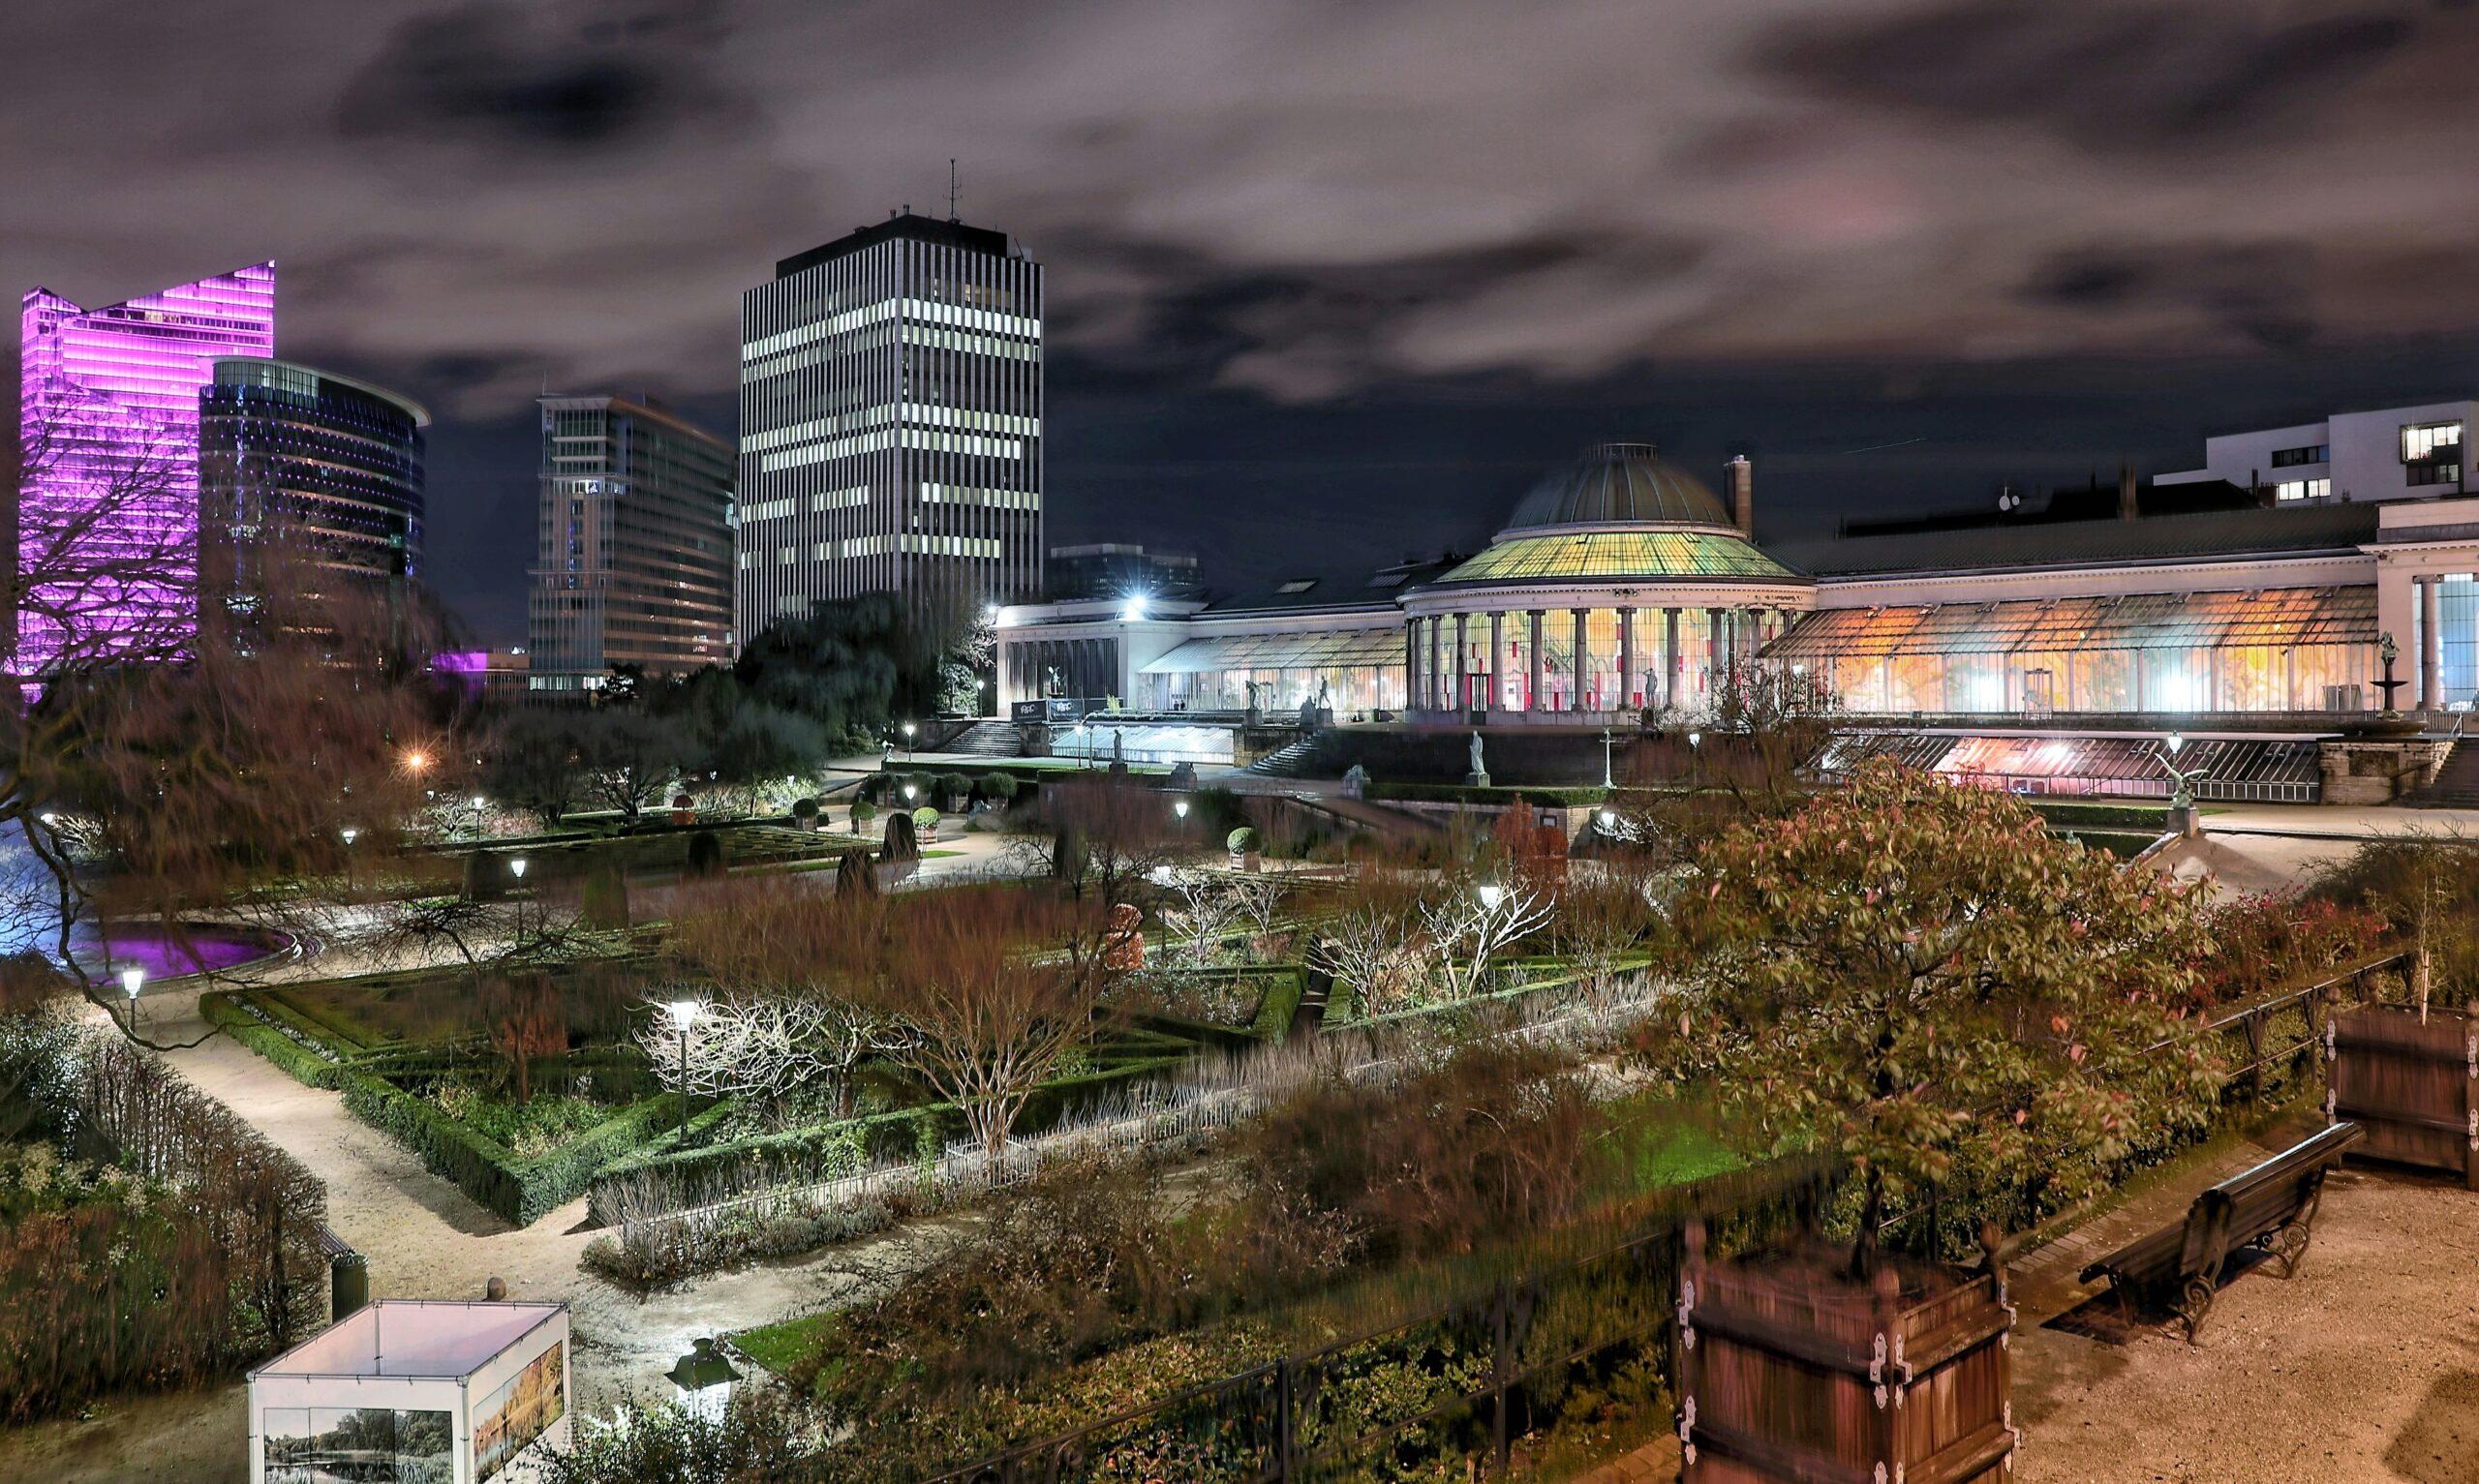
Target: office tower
{"x":891,"y":422}
{"x":329,"y":463}
{"x":634,"y":545}
{"x":1118,"y":570}
{"x":107,"y":513}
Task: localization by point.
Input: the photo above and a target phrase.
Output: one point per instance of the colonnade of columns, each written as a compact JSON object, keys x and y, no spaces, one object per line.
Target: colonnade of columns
{"x":1579,"y":659}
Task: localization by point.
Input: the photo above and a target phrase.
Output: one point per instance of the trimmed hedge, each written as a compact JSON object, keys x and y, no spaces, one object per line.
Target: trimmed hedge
{"x":885,"y":1138}
{"x":2063,"y":815}
{"x":516,"y":1189}
{"x":1458,"y":793}
{"x":291,"y":1058}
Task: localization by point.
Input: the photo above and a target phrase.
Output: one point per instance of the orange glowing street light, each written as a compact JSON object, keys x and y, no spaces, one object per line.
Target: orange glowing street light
{"x":415,"y":760}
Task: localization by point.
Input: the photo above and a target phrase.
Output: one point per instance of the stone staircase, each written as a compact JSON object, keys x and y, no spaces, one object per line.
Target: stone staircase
{"x":1319,"y":755}
{"x":2457,"y":784}
{"x":987,"y":738}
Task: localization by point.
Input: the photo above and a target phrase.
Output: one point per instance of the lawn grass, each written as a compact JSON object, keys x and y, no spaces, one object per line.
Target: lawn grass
{"x":781,"y":1345}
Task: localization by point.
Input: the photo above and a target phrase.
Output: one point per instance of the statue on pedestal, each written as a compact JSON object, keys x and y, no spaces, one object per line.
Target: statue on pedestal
{"x":2390,"y":651}
{"x":1479,"y":777}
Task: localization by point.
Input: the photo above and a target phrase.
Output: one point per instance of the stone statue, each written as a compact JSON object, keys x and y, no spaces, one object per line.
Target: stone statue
{"x":1252,"y":693}
{"x":1354,"y":781}
{"x":2389,"y":652}
{"x":2182,"y":784}
{"x":1118,"y":746}
{"x":1479,"y":777}
{"x":1476,"y":766}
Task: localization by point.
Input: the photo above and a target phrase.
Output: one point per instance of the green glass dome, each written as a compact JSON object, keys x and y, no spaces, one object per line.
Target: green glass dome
{"x":1619,"y":484}
{"x":1617,"y":556}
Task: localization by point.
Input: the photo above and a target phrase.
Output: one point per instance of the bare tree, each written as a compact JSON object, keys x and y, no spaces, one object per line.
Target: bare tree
{"x":1375,"y":943}
{"x":1107,"y":837}
{"x":790,"y":965}
{"x":181,"y":758}
{"x":1260,"y":898}
{"x":1473,"y":922}
{"x":630,"y":759}
{"x":1599,"y":919}
{"x":1209,"y":907}
{"x":997,"y":994}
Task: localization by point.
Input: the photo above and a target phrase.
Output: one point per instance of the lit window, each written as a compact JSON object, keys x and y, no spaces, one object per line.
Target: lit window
{"x":2302,"y":489}
{"x":2422,"y":442}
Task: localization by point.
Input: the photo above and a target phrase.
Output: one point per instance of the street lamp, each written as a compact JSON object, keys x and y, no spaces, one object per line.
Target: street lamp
{"x":908,"y":742}
{"x":516,"y":866}
{"x":2176,"y":741}
{"x":705,"y":1377}
{"x":1492,"y":893}
{"x":1605,"y":741}
{"x":415,"y":760}
{"x":1695,"y":738}
{"x":1180,"y":808}
{"x":478,"y":802}
{"x":351,"y":834}
{"x":684,"y":1015}
{"x":1608,"y":821}
{"x":132,"y":979}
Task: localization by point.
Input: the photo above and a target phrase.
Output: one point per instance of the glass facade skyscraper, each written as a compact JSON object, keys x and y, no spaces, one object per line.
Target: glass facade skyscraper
{"x":633,"y":555}
{"x":891,"y":424}
{"x":108,"y":517}
{"x":332,"y":462}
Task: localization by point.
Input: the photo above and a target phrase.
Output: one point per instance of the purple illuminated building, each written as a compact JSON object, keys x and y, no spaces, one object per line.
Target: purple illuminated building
{"x":107,"y":522}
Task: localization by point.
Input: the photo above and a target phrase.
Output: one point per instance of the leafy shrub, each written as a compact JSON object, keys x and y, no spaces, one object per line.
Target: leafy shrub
{"x":1497,"y":1141}
{"x":999,"y":788}
{"x":924,"y":818}
{"x":805,"y":811}
{"x":863,"y":812}
{"x":1241,"y":840}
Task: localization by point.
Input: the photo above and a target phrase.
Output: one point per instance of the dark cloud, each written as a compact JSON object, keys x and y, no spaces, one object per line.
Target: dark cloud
{"x":519,"y":76}
{"x":2113,"y":75}
{"x":2258,"y":291}
{"x":1320,"y":273}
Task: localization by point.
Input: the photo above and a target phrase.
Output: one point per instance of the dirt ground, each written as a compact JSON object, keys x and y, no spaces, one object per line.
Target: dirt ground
{"x":2364,"y":1367}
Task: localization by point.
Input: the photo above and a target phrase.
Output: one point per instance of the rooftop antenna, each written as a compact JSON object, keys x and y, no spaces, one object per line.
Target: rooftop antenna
{"x":951,"y":190}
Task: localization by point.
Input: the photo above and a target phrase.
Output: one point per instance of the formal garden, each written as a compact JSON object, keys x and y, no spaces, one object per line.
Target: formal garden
{"x":1438,"y":1208}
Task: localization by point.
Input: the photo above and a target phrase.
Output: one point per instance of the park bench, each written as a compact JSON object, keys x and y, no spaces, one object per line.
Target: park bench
{"x":2270,"y":1206}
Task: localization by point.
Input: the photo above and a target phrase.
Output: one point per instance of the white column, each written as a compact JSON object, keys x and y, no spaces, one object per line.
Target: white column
{"x":1434,"y":701}
{"x":1497,"y":661}
{"x":1625,"y":660}
{"x":1411,"y":663}
{"x":1583,"y":656}
{"x":1463,"y":681}
{"x":1532,"y":692}
{"x":2430,"y":644}
{"x":1670,"y":655}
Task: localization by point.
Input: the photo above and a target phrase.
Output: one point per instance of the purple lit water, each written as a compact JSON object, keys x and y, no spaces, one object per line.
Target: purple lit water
{"x":199,"y":950}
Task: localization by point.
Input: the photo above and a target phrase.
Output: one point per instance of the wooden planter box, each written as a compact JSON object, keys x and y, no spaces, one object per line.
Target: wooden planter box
{"x":2414,"y":1087}
{"x":1790,"y":1374}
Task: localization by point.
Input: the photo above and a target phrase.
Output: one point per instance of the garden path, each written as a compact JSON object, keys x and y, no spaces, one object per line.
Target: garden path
{"x":426,"y":1239}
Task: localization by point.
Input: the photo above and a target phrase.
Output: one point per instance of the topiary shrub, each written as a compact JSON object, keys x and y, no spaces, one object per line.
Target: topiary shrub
{"x":804,"y":813}
{"x":863,"y":812}
{"x":999,"y":788}
{"x":1243,"y":840}
{"x":901,"y":843}
{"x":854,"y":872}
{"x":603,"y":900}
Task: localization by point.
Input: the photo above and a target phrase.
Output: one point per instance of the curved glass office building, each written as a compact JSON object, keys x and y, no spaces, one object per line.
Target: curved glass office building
{"x":335,"y":462}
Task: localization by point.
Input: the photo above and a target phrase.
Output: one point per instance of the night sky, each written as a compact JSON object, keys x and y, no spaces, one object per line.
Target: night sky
{"x":1330,"y":280}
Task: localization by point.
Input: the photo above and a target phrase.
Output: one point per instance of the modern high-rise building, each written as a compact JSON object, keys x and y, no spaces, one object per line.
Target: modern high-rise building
{"x":634,"y":545}
{"x":108,"y":514}
{"x":289,"y":453}
{"x":891,"y":424}
{"x":1115,"y":569}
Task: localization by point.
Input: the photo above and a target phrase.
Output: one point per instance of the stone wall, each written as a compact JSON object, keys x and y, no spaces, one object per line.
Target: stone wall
{"x":2379,"y":771}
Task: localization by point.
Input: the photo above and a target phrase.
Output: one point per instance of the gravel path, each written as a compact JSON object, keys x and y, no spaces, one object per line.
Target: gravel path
{"x":426,"y":1239}
{"x":2365,"y":1367}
